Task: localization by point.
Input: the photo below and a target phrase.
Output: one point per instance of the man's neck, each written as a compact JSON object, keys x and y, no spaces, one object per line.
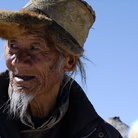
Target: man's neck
{"x":41,"y":106}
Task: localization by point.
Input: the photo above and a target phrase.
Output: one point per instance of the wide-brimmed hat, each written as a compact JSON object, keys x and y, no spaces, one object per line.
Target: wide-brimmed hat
{"x":76,"y":17}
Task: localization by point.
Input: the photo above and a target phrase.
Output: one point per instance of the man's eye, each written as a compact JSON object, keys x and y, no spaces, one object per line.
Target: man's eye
{"x":34,"y":48}
{"x":13,"y":46}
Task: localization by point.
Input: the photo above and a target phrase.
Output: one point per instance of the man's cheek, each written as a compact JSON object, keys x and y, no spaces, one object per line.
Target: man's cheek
{"x":8,"y":61}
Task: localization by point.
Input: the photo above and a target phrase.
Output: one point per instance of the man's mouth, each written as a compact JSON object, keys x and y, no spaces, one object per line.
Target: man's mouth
{"x":24,"y":78}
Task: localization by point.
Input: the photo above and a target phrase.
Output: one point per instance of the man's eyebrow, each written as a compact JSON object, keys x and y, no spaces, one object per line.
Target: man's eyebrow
{"x":38,"y":38}
{"x":12,"y":40}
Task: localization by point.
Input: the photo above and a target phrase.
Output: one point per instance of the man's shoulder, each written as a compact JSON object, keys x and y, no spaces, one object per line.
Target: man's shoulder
{"x":4,"y":77}
{"x":83,"y":120}
{"x":4,"y":83}
{"x":106,"y":130}
{"x":81,"y":112}
{"x":99,"y":128}
{"x":79,"y":102}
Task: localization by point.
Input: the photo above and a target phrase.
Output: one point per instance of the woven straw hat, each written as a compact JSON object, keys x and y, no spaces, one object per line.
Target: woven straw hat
{"x":76,"y":17}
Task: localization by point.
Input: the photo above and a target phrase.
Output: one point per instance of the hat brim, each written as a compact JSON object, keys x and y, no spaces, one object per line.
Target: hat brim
{"x":13,"y":23}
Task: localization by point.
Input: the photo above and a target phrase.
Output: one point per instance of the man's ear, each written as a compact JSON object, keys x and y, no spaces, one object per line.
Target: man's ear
{"x":71,"y":62}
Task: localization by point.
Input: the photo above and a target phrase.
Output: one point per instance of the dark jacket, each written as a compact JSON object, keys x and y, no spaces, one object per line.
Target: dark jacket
{"x":80,"y":120}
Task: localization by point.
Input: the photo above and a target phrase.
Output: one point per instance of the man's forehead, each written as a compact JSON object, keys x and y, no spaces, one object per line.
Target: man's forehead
{"x":32,"y":36}
{"x":39,"y":37}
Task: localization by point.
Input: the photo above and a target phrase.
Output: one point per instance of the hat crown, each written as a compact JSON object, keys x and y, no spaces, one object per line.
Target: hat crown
{"x":75,"y":16}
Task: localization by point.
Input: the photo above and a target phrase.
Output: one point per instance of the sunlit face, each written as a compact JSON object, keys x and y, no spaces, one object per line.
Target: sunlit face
{"x":32,"y":64}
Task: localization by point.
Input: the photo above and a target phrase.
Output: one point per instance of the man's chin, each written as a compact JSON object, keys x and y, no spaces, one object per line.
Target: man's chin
{"x":25,"y":90}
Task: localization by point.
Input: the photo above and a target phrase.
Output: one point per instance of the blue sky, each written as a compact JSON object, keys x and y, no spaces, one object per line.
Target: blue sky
{"x":112,"y":46}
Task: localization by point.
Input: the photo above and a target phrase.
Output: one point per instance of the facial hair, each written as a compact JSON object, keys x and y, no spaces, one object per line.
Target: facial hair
{"x":19,"y":102}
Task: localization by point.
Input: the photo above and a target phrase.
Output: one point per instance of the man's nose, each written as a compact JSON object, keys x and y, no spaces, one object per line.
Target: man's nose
{"x":22,"y":59}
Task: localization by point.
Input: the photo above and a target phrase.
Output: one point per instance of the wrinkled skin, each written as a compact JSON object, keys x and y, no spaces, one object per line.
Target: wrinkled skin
{"x":32,"y":64}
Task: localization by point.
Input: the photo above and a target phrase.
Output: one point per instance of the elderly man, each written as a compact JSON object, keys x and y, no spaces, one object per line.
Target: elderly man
{"x":38,"y":98}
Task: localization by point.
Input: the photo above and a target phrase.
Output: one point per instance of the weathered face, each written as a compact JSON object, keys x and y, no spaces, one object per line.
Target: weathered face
{"x":32,"y":64}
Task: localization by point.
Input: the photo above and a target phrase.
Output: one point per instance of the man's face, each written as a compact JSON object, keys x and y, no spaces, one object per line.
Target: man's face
{"x":32,"y":64}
